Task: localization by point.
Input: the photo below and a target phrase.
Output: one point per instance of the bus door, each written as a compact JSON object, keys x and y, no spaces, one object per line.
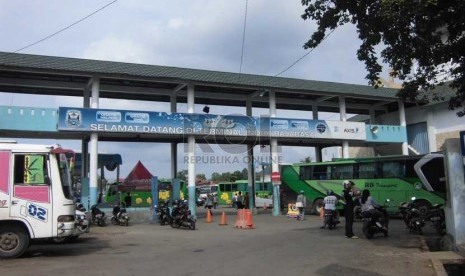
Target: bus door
{"x":4,"y":183}
{"x":31,"y":194}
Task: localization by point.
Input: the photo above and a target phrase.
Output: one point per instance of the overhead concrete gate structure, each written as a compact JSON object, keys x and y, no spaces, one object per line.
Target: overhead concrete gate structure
{"x":93,"y":79}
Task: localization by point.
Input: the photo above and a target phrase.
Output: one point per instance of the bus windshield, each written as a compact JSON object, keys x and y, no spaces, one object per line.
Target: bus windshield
{"x":65,"y":174}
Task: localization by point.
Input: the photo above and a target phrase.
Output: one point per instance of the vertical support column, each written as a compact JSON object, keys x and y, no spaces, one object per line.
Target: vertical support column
{"x":373,"y":121}
{"x":403,"y":123}
{"x":250,"y":164}
{"x":431,"y":132}
{"x":174,"y":146}
{"x":315,"y":117}
{"x":274,"y":157}
{"x":154,"y":206}
{"x":85,"y":199}
{"x":191,"y":153}
{"x":342,"y":111}
{"x":93,"y":173}
{"x":372,"y":116}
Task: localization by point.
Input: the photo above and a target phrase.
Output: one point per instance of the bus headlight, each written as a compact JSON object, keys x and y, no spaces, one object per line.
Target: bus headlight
{"x":66,"y":218}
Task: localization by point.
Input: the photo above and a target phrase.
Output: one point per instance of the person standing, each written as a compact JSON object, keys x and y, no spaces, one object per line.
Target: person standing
{"x":215,"y":201}
{"x":349,"y":208}
{"x":239,"y":200}
{"x":127,"y":199}
{"x":246,"y":200}
{"x":209,"y":203}
{"x":300,"y":203}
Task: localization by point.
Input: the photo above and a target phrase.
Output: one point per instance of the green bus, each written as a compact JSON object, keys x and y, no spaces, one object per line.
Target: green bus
{"x":226,"y":190}
{"x":142,"y":196}
{"x":397,"y":178}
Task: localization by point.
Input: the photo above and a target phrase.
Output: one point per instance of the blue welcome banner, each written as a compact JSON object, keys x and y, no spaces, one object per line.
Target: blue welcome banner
{"x":143,"y":122}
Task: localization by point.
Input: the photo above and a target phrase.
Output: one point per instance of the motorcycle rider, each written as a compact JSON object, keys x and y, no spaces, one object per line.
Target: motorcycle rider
{"x":330,"y":202}
{"x":369,"y":206}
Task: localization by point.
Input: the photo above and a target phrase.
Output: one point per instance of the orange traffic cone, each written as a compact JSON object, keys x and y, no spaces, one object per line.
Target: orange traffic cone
{"x":322,"y":212}
{"x":223,"y":219}
{"x":249,"y":222}
{"x":209,"y":216}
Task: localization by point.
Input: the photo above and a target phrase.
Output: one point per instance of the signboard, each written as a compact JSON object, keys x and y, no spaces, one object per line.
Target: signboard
{"x":144,"y":122}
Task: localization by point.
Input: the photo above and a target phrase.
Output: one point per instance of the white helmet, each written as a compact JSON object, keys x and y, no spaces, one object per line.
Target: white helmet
{"x":347,"y":184}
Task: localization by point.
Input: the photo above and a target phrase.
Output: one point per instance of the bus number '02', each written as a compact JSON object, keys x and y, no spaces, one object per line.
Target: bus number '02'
{"x":37,"y":212}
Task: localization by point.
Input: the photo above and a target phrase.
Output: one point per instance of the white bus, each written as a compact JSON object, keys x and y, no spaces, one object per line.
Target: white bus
{"x":36,"y":199}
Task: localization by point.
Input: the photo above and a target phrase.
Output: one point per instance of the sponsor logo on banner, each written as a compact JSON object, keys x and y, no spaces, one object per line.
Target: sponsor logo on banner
{"x":137,"y":117}
{"x":351,"y":130}
{"x":321,"y":128}
{"x":73,"y":118}
{"x":108,"y":116}
{"x":299,"y":124}
{"x":279,"y":124}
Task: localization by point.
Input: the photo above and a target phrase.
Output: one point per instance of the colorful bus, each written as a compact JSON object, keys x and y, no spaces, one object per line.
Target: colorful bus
{"x":397,"y":178}
{"x":226,"y":190}
{"x":142,"y":196}
{"x":36,"y":199}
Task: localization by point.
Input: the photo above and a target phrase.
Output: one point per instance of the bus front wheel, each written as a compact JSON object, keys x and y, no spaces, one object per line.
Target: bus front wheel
{"x":13,"y":241}
{"x":317,"y":205}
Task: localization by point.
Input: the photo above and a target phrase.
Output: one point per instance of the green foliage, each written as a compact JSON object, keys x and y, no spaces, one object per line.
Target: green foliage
{"x":423,"y":41}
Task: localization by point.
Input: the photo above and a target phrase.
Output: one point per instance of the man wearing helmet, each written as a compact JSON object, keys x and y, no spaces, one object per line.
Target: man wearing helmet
{"x":349,"y":208}
{"x":330,"y":202}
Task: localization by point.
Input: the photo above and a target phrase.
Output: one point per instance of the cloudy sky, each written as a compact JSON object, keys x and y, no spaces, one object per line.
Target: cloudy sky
{"x":202,"y":34}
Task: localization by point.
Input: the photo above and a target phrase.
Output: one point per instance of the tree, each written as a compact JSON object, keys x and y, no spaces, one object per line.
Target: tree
{"x":423,"y":41}
{"x":201,"y":176}
{"x":307,"y":159}
{"x":182,"y":175}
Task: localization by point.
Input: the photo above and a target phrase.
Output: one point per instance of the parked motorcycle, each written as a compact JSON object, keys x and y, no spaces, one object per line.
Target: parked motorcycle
{"x":120,"y":217}
{"x":97,"y":216}
{"x":375,"y":222}
{"x":412,"y":217}
{"x":181,"y":215}
{"x":437,"y":217}
{"x":331,"y":218}
{"x":163,"y":213}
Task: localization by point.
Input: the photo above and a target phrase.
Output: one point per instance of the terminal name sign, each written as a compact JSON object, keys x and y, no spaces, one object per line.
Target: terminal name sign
{"x":145,"y":122}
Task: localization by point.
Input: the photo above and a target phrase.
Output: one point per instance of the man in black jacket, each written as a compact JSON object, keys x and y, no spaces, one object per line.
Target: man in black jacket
{"x":349,"y":208}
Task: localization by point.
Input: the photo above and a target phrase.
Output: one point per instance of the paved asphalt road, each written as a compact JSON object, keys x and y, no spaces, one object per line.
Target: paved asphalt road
{"x":277,"y":246}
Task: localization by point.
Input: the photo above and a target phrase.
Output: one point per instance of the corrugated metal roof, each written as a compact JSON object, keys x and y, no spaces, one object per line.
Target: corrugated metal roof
{"x":107,"y":68}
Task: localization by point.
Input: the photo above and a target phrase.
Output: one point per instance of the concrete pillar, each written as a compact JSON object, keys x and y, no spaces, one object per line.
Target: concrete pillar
{"x":342,"y":111}
{"x":403,"y":123}
{"x":93,"y":173}
{"x":431,"y":132}
{"x":455,"y":204}
{"x":317,"y":149}
{"x":174,"y":146}
{"x":274,"y":156}
{"x":191,"y":153}
{"x":250,"y":164}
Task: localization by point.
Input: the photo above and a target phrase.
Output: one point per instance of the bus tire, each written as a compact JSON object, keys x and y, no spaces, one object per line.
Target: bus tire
{"x":317,"y":205}
{"x":14,"y":241}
